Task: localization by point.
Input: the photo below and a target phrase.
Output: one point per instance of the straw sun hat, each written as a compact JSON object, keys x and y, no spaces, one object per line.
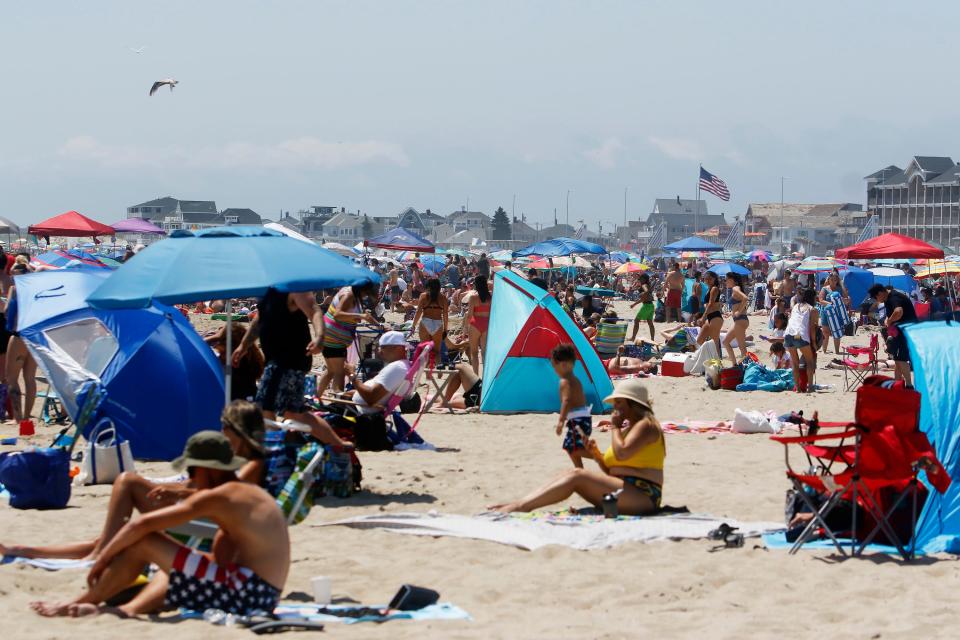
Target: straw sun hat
{"x":631,"y":389}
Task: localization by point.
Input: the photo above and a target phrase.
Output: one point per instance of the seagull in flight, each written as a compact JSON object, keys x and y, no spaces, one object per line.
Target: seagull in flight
{"x":140,"y":50}
{"x":170,"y":82}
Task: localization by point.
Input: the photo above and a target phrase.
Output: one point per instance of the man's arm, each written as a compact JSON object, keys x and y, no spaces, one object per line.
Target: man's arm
{"x":253,"y":332}
{"x":371,"y":392}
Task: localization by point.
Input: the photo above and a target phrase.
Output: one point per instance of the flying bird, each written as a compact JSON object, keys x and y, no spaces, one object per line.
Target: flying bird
{"x":140,"y":50}
{"x":170,"y":82}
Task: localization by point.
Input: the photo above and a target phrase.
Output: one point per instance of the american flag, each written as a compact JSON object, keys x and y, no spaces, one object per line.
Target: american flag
{"x":713,"y":184}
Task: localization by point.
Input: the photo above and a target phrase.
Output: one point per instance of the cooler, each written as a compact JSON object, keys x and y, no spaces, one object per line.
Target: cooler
{"x":672,"y":365}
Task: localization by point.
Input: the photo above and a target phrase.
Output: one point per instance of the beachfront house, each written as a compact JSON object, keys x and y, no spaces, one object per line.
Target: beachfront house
{"x":241,"y":216}
{"x":813,"y":229}
{"x":171,"y":213}
{"x":421,"y":224}
{"x":674,"y":219}
{"x":921,"y":201}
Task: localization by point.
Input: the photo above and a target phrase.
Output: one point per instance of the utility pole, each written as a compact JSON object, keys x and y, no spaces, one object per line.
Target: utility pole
{"x":513,"y":209}
{"x":782,"y":244}
{"x":568,"y":207}
{"x":625,"y":205}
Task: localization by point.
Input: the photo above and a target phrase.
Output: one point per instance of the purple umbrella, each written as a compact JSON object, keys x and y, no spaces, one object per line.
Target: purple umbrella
{"x":137,"y":225}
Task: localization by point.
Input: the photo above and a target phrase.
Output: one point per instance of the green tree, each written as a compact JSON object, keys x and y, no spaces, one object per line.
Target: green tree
{"x":366,"y":228}
{"x":502,"y":229}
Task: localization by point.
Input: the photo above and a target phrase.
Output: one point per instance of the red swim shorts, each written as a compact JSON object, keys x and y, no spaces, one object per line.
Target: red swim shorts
{"x":674,"y":298}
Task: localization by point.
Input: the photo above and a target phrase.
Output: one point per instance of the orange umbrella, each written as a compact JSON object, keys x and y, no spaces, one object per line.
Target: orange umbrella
{"x":630,"y":267}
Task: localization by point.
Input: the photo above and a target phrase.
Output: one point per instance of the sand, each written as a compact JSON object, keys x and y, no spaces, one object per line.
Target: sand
{"x":656,"y":590}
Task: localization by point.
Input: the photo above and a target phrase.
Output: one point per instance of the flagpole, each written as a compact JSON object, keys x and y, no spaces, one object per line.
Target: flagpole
{"x":696,"y":211}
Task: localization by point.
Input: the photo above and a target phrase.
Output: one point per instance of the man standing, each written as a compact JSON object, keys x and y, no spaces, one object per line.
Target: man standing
{"x":675,"y":284}
{"x":249,"y":560}
{"x":899,"y":311}
{"x":284,"y":331}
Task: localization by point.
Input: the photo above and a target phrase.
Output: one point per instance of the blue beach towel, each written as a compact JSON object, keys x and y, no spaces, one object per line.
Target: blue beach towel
{"x":757,"y":377}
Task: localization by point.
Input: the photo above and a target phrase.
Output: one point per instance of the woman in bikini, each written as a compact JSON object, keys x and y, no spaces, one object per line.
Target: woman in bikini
{"x":741,"y":322}
{"x":19,"y":359}
{"x":340,"y":327}
{"x":432,"y":309}
{"x":477,"y":319}
{"x":712,"y":317}
{"x":631,"y":468}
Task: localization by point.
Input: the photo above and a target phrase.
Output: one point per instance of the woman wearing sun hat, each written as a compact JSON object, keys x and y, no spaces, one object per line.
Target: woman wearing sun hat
{"x":633,"y":464}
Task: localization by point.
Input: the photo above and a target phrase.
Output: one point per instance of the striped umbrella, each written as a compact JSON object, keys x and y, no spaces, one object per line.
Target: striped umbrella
{"x":936,"y":268}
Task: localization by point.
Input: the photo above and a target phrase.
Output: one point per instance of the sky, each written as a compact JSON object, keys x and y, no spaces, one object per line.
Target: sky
{"x":376,"y":106}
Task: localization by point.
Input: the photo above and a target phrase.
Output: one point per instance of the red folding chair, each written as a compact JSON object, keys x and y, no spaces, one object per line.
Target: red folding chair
{"x":856,"y":371}
{"x":872,"y":464}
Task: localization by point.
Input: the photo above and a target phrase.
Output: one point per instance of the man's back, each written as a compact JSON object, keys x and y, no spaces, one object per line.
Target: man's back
{"x":253,"y":532}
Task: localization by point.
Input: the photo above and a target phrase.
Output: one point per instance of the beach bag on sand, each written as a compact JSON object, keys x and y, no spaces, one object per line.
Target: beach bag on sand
{"x":731,"y":377}
{"x":36,"y":478}
{"x":711,"y":370}
{"x":751,"y":422}
{"x":107,"y":455}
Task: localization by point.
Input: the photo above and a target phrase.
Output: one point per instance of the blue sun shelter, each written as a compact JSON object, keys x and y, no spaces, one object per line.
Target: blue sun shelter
{"x":526,"y":323}
{"x":935,"y":355}
{"x":161,"y":383}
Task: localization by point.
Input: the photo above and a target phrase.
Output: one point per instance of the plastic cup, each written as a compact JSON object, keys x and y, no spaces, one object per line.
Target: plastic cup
{"x":322,"y":589}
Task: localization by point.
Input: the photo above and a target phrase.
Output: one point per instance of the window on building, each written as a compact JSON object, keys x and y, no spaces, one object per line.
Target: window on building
{"x":231,"y":219}
{"x":132,"y":210}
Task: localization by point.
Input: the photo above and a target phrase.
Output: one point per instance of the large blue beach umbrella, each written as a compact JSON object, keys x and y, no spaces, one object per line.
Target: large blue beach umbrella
{"x":225,"y":263}
{"x":159,"y":383}
{"x":560,"y":247}
{"x":693,"y":243}
{"x":728,"y":267}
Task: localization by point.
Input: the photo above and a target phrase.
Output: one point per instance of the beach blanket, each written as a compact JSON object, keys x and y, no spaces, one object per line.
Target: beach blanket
{"x":757,"y":377}
{"x":778,"y":541}
{"x":697,"y":426}
{"x":532,"y":531}
{"x":315,"y":613}
{"x":50,"y":564}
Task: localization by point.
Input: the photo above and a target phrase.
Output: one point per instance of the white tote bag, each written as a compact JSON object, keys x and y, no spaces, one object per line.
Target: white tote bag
{"x":107,"y":455}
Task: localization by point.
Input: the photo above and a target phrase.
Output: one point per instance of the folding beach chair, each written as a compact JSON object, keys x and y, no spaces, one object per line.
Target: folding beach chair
{"x":610,"y":337}
{"x":51,"y":411}
{"x":872,"y":464}
{"x":856,"y":371}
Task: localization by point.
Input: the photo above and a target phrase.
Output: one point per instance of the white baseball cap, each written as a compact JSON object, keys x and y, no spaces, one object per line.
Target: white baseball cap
{"x":393,"y":339}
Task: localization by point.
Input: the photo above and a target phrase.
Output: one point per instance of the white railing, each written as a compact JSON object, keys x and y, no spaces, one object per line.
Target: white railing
{"x":735,"y":237}
{"x":870,"y":230}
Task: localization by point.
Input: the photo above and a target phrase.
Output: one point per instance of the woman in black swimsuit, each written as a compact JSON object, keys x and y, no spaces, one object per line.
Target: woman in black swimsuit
{"x":739,"y":302}
{"x":712,"y":318}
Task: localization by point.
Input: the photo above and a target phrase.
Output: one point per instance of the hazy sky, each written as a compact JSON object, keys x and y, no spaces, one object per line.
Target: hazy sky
{"x":380,"y":105}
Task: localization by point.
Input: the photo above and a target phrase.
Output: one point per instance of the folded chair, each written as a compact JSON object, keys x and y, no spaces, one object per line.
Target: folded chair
{"x":856,"y":371}
{"x":872,"y":464}
{"x":610,"y":337}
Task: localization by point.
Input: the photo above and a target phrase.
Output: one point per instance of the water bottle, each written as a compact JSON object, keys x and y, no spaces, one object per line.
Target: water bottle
{"x":609,"y":504}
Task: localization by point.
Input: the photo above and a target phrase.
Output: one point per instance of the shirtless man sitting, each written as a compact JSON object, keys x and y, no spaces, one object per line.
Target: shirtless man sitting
{"x":244,"y":574}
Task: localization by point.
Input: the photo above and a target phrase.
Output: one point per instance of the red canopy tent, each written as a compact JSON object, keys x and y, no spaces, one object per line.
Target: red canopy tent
{"x":889,"y":245}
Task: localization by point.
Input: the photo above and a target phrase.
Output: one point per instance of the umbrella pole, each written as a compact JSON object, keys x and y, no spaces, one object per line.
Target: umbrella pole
{"x":228,"y":369}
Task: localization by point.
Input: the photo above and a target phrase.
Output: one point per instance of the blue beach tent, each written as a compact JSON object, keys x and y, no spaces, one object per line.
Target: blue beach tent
{"x":560,"y":247}
{"x":692,"y":243}
{"x":161,"y":382}
{"x":526,"y":323}
{"x":935,"y":355}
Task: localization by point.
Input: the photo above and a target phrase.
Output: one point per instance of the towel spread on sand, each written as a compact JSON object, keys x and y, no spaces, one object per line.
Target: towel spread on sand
{"x":532,"y":531}
{"x":311,"y":612}
{"x":50,"y":564}
{"x":698,"y":426}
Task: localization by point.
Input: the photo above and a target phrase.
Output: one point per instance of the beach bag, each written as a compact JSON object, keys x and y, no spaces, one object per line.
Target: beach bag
{"x":731,"y":377}
{"x":107,"y":455}
{"x":711,"y":370}
{"x":751,"y":422}
{"x":411,"y":404}
{"x":850,"y":329}
{"x":36,"y":478}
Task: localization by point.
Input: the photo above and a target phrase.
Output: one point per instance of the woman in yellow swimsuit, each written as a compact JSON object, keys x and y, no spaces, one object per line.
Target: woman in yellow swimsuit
{"x":633,"y":465}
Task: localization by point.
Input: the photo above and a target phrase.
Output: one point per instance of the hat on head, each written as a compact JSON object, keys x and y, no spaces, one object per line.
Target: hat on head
{"x":393,"y":339}
{"x":210,"y":450}
{"x":631,"y":389}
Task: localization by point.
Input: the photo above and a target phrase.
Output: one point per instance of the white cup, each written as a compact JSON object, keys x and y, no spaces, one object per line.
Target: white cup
{"x":322,"y":589}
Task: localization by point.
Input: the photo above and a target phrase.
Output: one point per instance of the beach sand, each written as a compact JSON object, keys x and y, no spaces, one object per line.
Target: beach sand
{"x":655,"y":590}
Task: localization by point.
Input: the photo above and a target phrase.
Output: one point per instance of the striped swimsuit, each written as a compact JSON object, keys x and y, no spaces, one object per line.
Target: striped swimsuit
{"x":338,"y":334}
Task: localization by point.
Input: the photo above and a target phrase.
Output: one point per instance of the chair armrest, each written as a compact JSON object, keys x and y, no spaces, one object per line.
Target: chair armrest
{"x":817,"y":438}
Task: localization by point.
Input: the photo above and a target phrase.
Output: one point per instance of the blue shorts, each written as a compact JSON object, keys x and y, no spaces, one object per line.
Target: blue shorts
{"x":281,"y":389}
{"x":794,"y":342}
{"x":574,"y":440}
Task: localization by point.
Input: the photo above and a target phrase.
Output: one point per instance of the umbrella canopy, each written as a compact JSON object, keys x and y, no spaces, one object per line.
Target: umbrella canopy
{"x":758,"y":254}
{"x":504,"y":255}
{"x":728,"y":267}
{"x":400,"y":239}
{"x":463,"y":253}
{"x":72,"y":225}
{"x":938,"y":268}
{"x":138,"y":225}
{"x":432,"y":263}
{"x":225,"y":262}
{"x":890,"y":277}
{"x":693,"y":243}
{"x":631,"y":267}
{"x":287,"y":231}
{"x":562,"y":261}
{"x":339,"y":248}
{"x":890,"y":245}
{"x":8,"y":227}
{"x":620,"y":256}
{"x":560,"y":247}
{"x":817,"y":264}
{"x":121,"y":353}
{"x":62,"y":259}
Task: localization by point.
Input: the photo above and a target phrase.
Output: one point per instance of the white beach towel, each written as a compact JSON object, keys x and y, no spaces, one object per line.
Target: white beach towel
{"x":532,"y":531}
{"x":50,"y":564}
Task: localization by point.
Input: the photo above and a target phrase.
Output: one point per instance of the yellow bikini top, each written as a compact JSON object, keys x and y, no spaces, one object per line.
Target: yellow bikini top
{"x":649,"y":457}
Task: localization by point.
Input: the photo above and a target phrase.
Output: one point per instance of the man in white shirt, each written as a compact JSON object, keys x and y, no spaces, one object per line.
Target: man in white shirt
{"x":373,"y":394}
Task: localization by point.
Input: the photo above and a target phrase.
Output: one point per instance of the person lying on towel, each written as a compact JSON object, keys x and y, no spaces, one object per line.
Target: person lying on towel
{"x":631,"y":468}
{"x":242,"y":425}
{"x":244,"y":574}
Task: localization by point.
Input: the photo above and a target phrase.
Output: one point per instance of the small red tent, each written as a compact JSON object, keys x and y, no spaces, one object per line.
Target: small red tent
{"x":889,"y":245}
{"x":70,"y":224}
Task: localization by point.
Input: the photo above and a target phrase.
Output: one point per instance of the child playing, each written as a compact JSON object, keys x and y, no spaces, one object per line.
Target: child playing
{"x":781,"y":359}
{"x":577,"y":420}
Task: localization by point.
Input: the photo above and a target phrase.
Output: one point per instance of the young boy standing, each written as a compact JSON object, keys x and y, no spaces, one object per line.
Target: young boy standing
{"x":576,"y":420}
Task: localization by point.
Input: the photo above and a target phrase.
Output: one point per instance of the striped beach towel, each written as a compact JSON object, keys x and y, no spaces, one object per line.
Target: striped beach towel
{"x":834,"y":314}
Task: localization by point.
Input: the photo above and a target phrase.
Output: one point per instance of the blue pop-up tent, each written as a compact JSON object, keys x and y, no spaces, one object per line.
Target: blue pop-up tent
{"x":526,"y":323}
{"x":400,"y":239}
{"x":560,"y":247}
{"x":161,"y":383}
{"x":935,"y":355}
{"x":692,"y":243}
